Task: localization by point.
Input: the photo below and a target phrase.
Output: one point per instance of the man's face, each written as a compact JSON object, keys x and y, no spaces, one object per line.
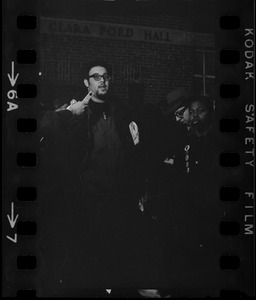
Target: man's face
{"x":99,"y":86}
{"x":182,"y":115}
{"x":198,"y":112}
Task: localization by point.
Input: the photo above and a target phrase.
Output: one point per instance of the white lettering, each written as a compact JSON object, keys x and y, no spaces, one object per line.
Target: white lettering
{"x":250,"y":128}
{"x":251,"y":163}
{"x":248,"y":54}
{"x":250,"y":152}
{"x":249,"y":140}
{"x":247,"y":229}
{"x":249,"y":119}
{"x":249,"y":108}
{"x":251,"y":75}
{"x":249,"y":31}
{"x":249,"y":43}
{"x":247,"y":216}
{"x":250,"y":194}
{"x":12,"y":94}
{"x":12,"y":106}
{"x":248,"y":65}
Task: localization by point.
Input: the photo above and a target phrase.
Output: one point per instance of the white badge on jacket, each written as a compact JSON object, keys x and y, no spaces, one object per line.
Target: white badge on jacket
{"x":134,"y":130}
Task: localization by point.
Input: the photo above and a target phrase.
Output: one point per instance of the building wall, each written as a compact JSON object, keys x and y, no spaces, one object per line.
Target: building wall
{"x":160,"y":66}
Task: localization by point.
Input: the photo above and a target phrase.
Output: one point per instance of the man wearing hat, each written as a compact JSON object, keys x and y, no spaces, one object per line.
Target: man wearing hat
{"x":176,"y":126}
{"x":176,"y":105}
{"x":166,"y":174}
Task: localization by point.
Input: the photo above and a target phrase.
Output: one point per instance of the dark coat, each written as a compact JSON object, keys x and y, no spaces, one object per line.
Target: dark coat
{"x":192,"y":212}
{"x":84,"y":159}
{"x":69,"y":141}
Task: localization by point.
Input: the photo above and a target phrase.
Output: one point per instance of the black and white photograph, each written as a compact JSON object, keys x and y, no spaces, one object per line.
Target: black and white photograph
{"x":131,"y":194}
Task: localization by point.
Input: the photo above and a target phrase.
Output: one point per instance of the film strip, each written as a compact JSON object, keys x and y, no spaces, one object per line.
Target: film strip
{"x":235,"y":112}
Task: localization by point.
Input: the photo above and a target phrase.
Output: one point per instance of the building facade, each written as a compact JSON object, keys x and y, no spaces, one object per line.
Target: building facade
{"x":163,"y":52}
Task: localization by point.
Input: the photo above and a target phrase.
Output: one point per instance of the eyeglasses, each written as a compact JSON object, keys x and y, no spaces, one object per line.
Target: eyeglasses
{"x":97,"y":76}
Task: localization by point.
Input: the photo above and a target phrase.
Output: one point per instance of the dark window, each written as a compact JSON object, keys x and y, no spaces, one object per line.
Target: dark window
{"x":204,"y":72}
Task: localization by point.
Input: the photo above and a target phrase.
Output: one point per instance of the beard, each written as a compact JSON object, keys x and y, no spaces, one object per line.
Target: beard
{"x":102,"y":91}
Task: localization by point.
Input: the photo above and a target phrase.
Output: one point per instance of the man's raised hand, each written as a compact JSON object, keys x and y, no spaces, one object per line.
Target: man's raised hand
{"x":77,"y":107}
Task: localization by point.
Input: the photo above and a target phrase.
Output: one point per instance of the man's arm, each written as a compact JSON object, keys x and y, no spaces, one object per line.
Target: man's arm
{"x":56,"y":124}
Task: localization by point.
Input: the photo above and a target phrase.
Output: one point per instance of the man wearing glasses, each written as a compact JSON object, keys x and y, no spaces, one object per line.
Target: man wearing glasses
{"x":94,"y":144}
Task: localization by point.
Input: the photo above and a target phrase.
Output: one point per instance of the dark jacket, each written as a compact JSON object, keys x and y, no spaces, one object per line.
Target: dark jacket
{"x":191,"y":211}
{"x":95,"y":149}
{"x":83,"y":159}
